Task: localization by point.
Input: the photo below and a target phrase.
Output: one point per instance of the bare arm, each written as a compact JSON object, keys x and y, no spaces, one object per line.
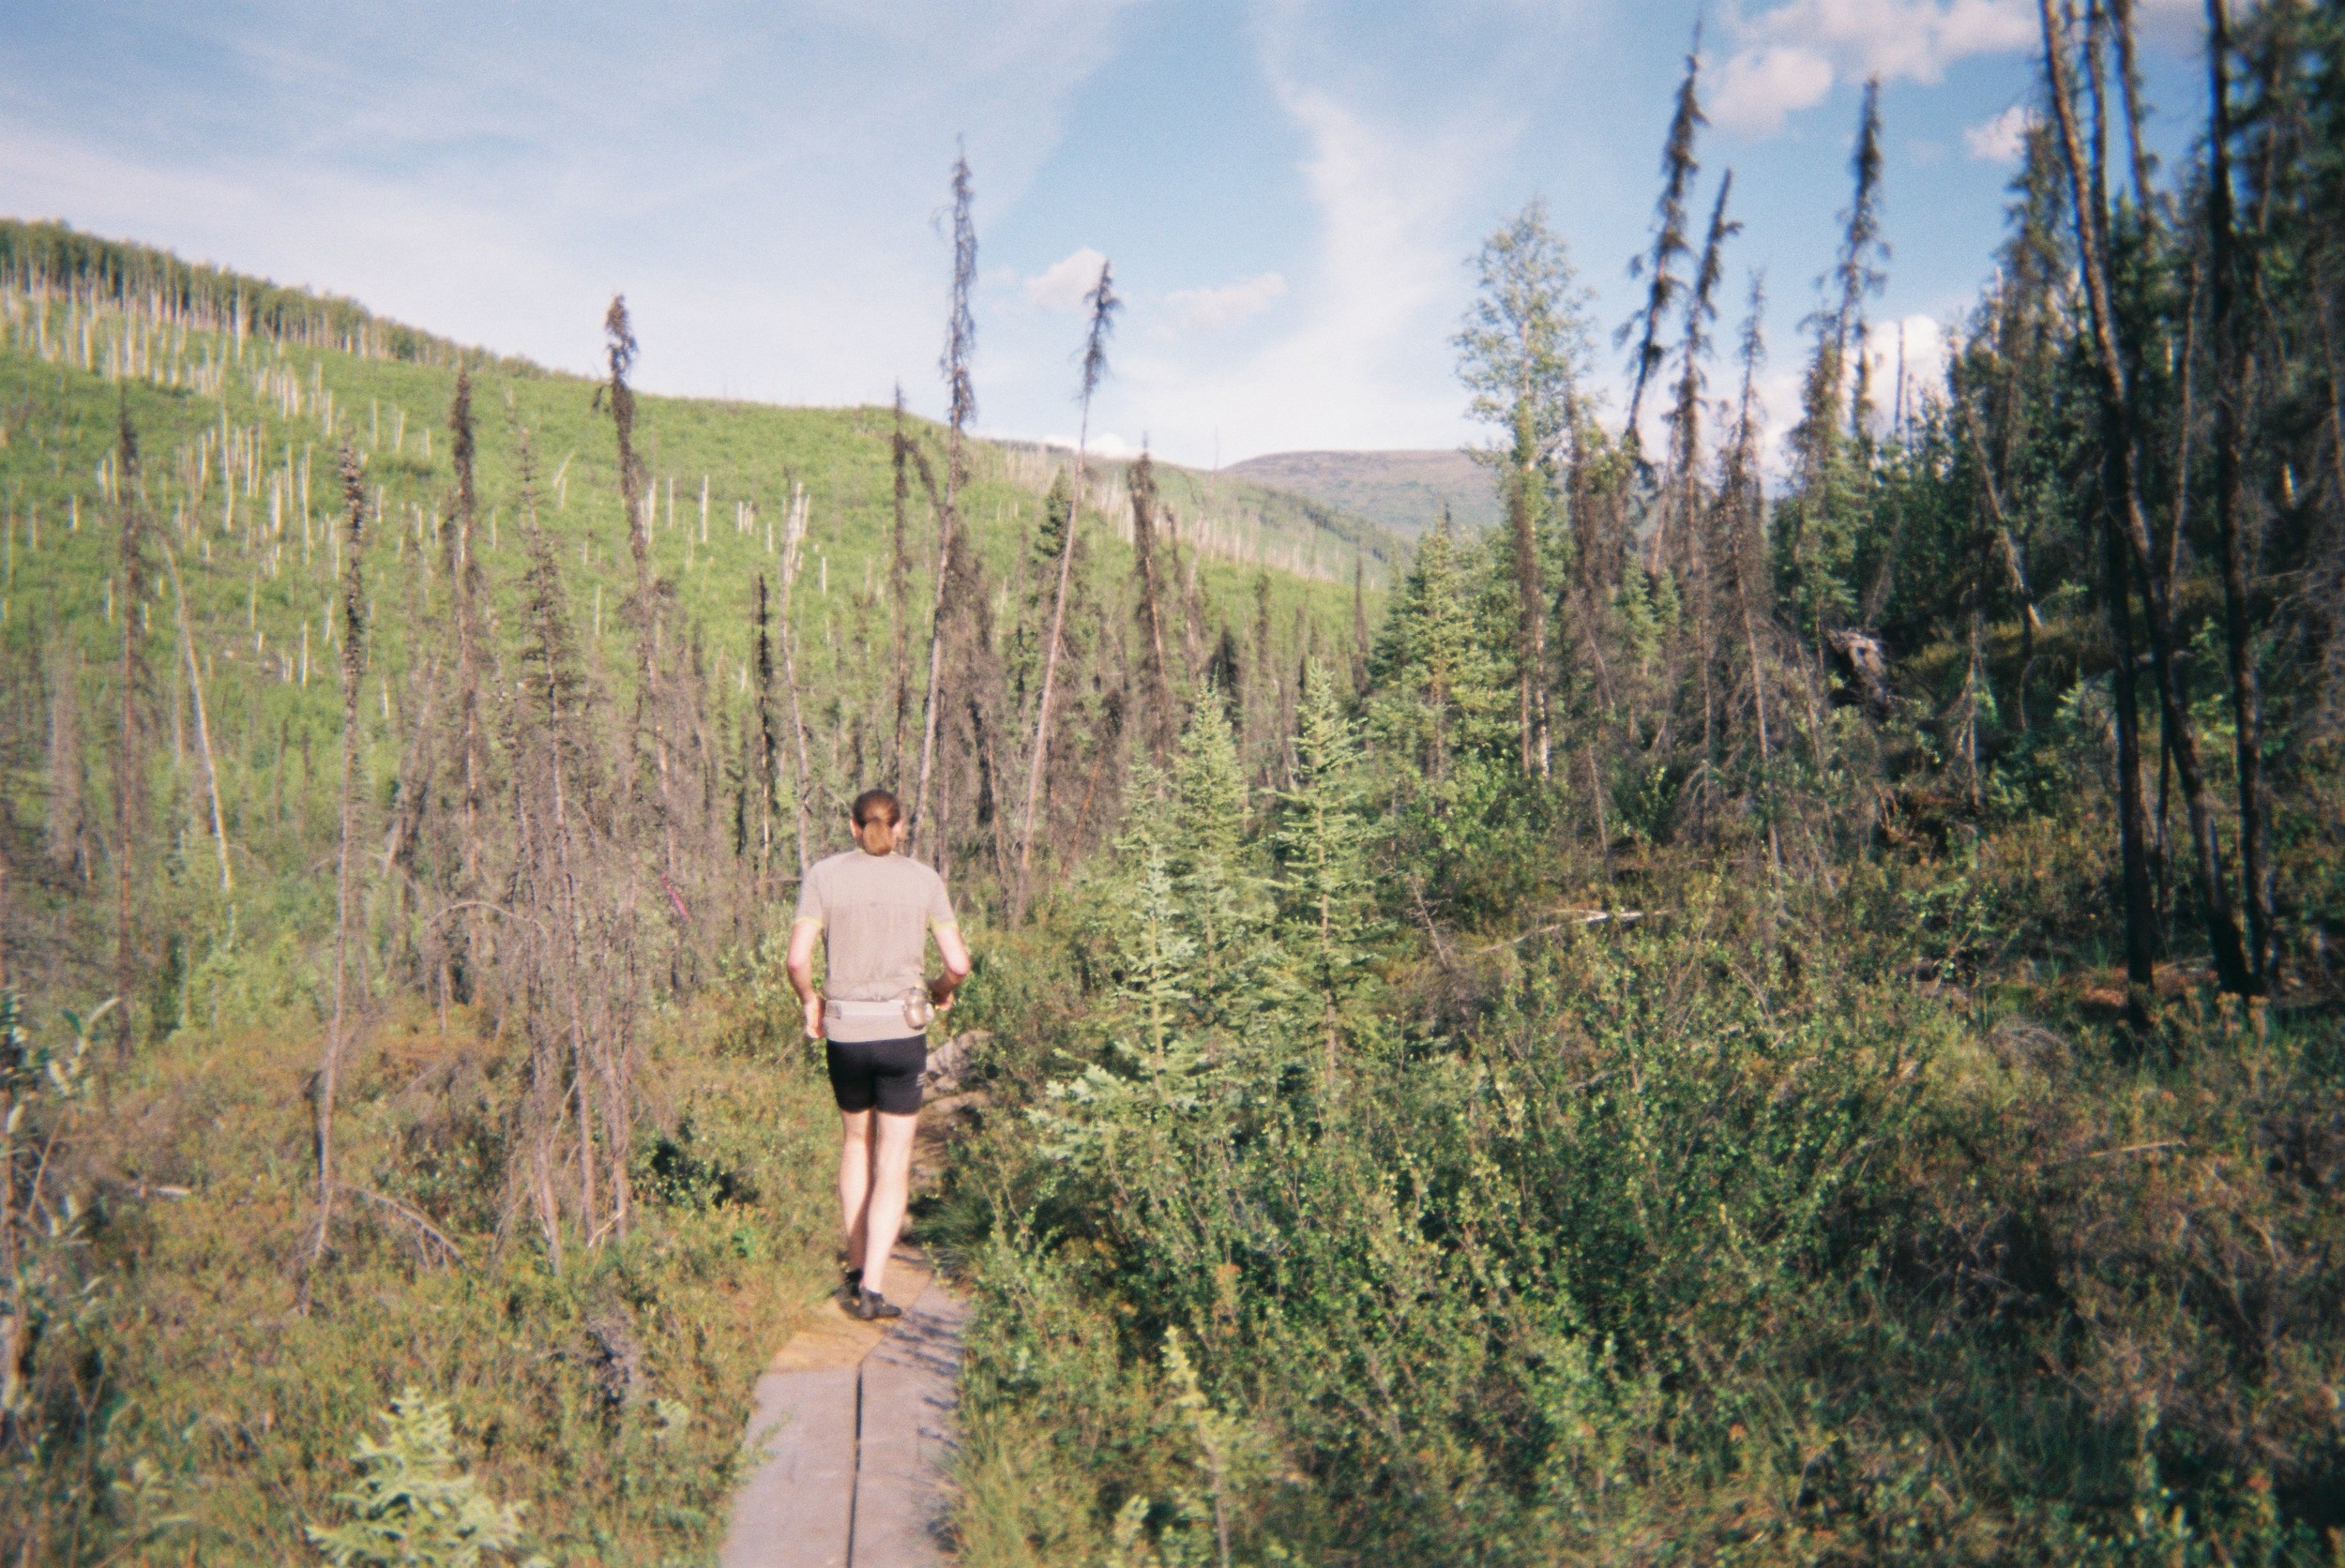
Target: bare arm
{"x":957,"y":965}
{"x":801,"y":967}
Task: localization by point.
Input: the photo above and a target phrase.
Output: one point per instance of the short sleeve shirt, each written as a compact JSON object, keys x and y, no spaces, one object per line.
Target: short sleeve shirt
{"x":875,"y":912}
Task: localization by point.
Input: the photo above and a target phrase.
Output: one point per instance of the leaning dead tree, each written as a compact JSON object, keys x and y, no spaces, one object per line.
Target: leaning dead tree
{"x":1103,"y":304}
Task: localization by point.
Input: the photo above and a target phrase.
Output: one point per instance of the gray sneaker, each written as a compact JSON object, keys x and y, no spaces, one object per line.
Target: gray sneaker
{"x":870,"y":1307}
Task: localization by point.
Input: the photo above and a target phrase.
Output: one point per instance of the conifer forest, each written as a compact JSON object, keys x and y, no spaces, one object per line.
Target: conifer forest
{"x":1778,"y":1004}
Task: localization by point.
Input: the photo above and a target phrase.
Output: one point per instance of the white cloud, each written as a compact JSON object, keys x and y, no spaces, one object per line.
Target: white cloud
{"x":1226,"y":306}
{"x":2000,"y":139}
{"x":1061,"y":286}
{"x":1762,"y":85}
{"x":1787,"y":59}
{"x":1104,"y":443}
{"x":1915,"y":345}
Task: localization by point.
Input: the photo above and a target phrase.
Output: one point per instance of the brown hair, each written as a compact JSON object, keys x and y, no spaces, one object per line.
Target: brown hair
{"x":872,"y":800}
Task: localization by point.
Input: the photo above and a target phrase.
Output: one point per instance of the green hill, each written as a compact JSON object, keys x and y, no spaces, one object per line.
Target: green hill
{"x":240,"y":392}
{"x":1403,"y":491}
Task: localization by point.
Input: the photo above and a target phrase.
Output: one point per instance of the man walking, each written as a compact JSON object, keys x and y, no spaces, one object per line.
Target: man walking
{"x":873,"y":911}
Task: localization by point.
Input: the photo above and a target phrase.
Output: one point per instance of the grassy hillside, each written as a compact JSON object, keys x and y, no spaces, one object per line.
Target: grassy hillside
{"x":237,"y":430}
{"x":1404,"y":492}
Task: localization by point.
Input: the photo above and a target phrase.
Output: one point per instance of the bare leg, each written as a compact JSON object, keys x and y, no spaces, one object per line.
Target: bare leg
{"x":891,"y":1178}
{"x":854,"y":1179}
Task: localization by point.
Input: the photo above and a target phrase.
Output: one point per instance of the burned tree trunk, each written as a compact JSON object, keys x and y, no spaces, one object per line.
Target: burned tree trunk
{"x":899,"y":591}
{"x":2125,"y":510}
{"x":960,"y":338}
{"x":1103,"y":304}
{"x":2230,"y":389}
{"x":465,"y":594}
{"x":129,"y":757}
{"x":354,"y":662}
{"x":1158,"y":724}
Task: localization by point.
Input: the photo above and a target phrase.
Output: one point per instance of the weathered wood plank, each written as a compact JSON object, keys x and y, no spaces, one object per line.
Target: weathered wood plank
{"x":795,"y":1508}
{"x":908,"y":1392}
{"x":855,"y":1423}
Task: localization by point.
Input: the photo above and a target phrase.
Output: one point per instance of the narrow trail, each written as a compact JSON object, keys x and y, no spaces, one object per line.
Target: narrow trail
{"x":852,"y":1422}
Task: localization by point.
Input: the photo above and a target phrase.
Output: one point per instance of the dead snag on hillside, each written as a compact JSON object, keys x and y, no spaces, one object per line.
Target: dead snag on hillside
{"x":899,"y":591}
{"x":643,"y":609}
{"x":1670,"y":238}
{"x":352,"y":609}
{"x":1160,"y":723}
{"x":1103,"y":304}
{"x":1679,"y":545}
{"x":960,"y":334}
{"x":474,"y":942}
{"x":1739,"y":535}
{"x":129,"y":790}
{"x":794,"y":537}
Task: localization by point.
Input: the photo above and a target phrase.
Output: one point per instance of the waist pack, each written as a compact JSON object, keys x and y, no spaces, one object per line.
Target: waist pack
{"x":914,"y":1007}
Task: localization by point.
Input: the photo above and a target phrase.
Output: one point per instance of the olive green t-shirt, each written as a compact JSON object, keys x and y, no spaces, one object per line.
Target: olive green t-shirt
{"x":875,"y":912}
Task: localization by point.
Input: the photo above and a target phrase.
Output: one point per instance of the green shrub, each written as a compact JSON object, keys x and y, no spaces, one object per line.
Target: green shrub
{"x":415,"y":1504}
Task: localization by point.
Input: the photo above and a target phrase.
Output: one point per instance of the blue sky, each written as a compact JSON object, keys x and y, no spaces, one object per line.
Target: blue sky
{"x":1289,"y":191}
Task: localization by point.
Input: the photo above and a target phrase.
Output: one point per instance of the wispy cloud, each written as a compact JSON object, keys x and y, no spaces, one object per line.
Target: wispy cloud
{"x":1206,"y":310}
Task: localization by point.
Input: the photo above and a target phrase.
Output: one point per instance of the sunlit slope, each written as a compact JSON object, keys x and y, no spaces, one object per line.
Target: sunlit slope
{"x":1398,"y":490}
{"x":237,"y":434}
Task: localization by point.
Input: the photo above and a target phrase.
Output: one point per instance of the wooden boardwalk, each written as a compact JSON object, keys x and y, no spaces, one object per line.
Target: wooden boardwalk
{"x":853,"y":1421}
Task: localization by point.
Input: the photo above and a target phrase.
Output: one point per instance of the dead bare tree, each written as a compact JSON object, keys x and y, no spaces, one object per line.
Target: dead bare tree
{"x":2126,"y":515}
{"x":129,"y":757}
{"x":961,"y":333}
{"x":353,"y":607}
{"x":644,"y":610}
{"x":1670,"y":237}
{"x":768,"y":745}
{"x":1103,"y":305}
{"x":1160,"y":725}
{"x":472,"y":753}
{"x":2247,"y":696}
{"x":794,"y":537}
{"x":67,"y":827}
{"x":1677,"y":544}
{"x":899,"y":592}
{"x":1740,"y":510}
{"x":203,"y":717}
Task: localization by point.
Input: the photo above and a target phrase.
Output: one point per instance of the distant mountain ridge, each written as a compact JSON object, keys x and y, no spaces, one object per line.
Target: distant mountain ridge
{"x":1402,"y":491}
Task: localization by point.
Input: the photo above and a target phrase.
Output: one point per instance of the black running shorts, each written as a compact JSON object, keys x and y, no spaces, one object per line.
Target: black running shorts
{"x":881,"y":1072}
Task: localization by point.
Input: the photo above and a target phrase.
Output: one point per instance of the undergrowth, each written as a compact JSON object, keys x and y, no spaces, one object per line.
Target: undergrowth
{"x":191,"y":1410}
{"x":1818,"y":1225}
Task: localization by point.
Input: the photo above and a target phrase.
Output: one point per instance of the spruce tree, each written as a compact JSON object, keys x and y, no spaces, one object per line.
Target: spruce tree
{"x":1321,"y":844}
